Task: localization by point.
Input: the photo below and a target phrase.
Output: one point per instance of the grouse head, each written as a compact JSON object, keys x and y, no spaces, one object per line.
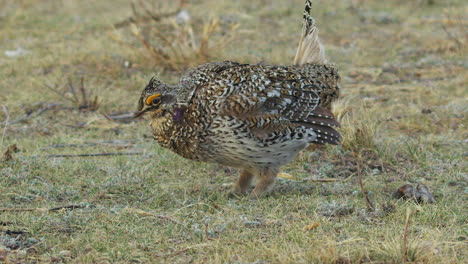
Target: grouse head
{"x":156,"y":100}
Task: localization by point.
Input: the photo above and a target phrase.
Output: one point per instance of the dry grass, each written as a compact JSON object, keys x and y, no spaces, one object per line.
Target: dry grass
{"x":79,"y":96}
{"x":403,"y":113}
{"x":174,"y":41}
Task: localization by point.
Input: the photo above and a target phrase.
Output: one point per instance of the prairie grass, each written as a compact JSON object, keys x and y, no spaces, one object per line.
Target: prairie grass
{"x":403,"y":111}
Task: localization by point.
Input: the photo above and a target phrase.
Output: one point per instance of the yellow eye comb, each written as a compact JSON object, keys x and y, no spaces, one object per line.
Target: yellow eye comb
{"x":151,"y":98}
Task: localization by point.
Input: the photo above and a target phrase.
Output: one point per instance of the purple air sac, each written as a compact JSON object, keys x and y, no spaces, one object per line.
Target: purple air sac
{"x":178,"y":114}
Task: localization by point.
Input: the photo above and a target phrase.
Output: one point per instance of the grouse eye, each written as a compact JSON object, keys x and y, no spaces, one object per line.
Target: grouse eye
{"x":156,"y":101}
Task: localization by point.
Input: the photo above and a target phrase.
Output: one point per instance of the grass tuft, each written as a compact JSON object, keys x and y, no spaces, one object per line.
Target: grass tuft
{"x":175,"y":44}
{"x":80,"y":97}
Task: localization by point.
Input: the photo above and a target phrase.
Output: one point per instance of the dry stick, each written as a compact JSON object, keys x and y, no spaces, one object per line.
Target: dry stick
{"x":119,"y":117}
{"x":94,"y":154}
{"x":369,"y":205}
{"x":21,"y":209}
{"x":69,"y":207}
{"x":404,"y":249}
{"x":7,"y":119}
{"x":90,"y":144}
{"x":73,"y":91}
{"x":83,"y":92}
{"x":29,"y":116}
{"x":331,"y":180}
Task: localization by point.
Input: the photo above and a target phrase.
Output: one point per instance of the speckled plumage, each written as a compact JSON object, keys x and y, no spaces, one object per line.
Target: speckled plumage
{"x":253,"y":117}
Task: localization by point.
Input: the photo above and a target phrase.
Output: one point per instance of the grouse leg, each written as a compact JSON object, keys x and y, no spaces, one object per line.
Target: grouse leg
{"x":266,"y":180}
{"x":244,"y":181}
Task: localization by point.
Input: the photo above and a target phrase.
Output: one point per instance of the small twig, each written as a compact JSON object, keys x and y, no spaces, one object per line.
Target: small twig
{"x":56,"y":91}
{"x":94,"y":154}
{"x":68,"y":207}
{"x":82,"y":102}
{"x":404,"y":247}
{"x":330,"y":180}
{"x":54,"y":209}
{"x":33,"y":114}
{"x":84,"y":98}
{"x":7,"y":119}
{"x":125,"y":118}
{"x":90,"y":144}
{"x":21,"y":209}
{"x":73,"y":91}
{"x":207,"y":234}
{"x":369,"y":204}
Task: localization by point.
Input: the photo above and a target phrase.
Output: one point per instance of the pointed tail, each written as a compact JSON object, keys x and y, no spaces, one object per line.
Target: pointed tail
{"x":310,"y":50}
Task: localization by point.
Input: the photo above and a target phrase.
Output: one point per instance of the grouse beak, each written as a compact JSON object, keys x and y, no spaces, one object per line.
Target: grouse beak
{"x":137,"y":114}
{"x":140,"y":113}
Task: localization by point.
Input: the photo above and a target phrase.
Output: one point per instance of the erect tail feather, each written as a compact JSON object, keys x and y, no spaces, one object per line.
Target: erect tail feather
{"x":310,"y":49}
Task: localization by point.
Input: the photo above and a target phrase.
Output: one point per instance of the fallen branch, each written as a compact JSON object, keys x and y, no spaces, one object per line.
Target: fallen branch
{"x":94,"y":154}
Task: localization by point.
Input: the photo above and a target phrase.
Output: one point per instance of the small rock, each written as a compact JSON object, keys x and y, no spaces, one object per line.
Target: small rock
{"x":420,"y":194}
{"x":183,"y":17}
{"x":15,"y":53}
